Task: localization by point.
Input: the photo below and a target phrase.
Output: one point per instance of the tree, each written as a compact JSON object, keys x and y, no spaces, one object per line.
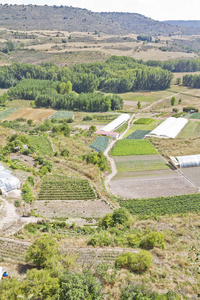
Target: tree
{"x":41,"y":252}
{"x":79,"y":286}
{"x":173,"y":100}
{"x":178,"y":80}
{"x":139,"y":105}
{"x":92,"y":128}
{"x":122,"y":216}
{"x":179,"y":101}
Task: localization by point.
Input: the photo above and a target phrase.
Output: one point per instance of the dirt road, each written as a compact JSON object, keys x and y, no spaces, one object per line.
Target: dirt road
{"x":111,"y":160}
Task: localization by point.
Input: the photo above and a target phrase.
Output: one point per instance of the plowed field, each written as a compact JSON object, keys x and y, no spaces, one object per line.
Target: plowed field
{"x":35,"y":114}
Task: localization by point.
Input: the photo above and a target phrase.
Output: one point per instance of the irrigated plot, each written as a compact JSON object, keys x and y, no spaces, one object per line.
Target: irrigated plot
{"x":28,"y":113}
{"x":58,"y":187}
{"x":137,"y":135}
{"x":133,"y":147}
{"x":140,"y":163}
{"x":100,"y":144}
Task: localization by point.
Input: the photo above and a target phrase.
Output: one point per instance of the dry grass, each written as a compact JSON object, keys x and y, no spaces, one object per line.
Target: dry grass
{"x":37,"y":115}
{"x":4,"y":134}
{"x":176,"y":147}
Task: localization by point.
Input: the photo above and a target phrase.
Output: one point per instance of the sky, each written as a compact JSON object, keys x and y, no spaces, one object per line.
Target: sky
{"x":156,"y":9}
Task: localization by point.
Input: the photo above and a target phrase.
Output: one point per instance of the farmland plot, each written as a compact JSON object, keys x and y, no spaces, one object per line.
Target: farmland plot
{"x":100,"y":144}
{"x":62,"y":114}
{"x":65,"y":188}
{"x":42,"y":144}
{"x":133,"y":147}
{"x":37,"y":115}
{"x":5,"y":113}
{"x":191,"y":130}
{"x":146,"y":176}
{"x":137,"y":135}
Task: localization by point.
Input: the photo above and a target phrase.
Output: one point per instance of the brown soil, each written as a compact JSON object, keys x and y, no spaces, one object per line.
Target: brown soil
{"x":37,"y":115}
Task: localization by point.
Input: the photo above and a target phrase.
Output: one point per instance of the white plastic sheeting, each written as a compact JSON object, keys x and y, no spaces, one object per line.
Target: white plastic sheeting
{"x":170,"y":128}
{"x":188,"y":161}
{"x":123,"y":118}
{"x":8,"y":182}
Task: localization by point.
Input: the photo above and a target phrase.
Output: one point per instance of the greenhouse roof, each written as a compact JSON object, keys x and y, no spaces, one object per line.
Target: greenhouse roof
{"x":170,"y":128}
{"x":116,"y":123}
{"x":186,"y":161}
{"x":8,"y":182}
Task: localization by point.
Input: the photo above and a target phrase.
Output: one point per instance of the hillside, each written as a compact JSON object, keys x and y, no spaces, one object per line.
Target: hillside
{"x":189,"y":23}
{"x":34,"y":17}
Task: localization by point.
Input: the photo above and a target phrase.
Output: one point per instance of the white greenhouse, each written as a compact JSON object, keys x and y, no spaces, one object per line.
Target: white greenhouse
{"x":170,"y":128}
{"x":8,"y":182}
{"x":112,"y":126}
{"x":186,"y":161}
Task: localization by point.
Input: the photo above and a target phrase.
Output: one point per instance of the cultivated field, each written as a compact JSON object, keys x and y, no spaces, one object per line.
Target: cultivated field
{"x":133,"y":147}
{"x":37,"y":115}
{"x":71,"y":209}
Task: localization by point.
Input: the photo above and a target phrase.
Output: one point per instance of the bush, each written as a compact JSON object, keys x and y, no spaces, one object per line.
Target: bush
{"x":153,"y":239}
{"x":189,"y":108}
{"x":135,"y":262}
{"x":106,"y":221}
{"x":87,"y":118}
{"x":122,"y":216}
{"x":134,"y":240}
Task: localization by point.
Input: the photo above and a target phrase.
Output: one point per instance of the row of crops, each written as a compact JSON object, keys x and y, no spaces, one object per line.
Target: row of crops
{"x":137,"y":135}
{"x":62,"y":114}
{"x":12,"y":250}
{"x":5,"y":113}
{"x":57,"y":187}
{"x":100,"y":144}
{"x":133,"y":147}
{"x":42,"y":144}
{"x":163,"y":205}
{"x":195,"y":116}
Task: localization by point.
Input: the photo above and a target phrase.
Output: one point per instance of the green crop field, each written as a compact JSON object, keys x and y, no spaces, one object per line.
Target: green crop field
{"x":195,"y":116}
{"x":42,"y":144}
{"x":145,"y":121}
{"x":163,"y":206}
{"x":140,"y":165}
{"x":191,"y":130}
{"x":140,"y":127}
{"x":137,"y":135}
{"x":133,"y":147}
{"x":145,"y":96}
{"x":62,"y":114}
{"x":65,"y":188}
{"x":5,"y":113}
{"x":100,"y":144}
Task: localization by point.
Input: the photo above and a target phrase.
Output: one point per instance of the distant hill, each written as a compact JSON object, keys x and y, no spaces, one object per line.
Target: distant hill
{"x":34,"y":17}
{"x":190,"y":24}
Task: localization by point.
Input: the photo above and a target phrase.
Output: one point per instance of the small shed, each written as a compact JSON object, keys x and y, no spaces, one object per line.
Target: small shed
{"x":108,"y":133}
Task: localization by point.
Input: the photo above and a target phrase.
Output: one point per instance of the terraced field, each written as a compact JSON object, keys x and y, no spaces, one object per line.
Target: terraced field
{"x":65,"y":188}
{"x":42,"y":144}
{"x":13,"y":250}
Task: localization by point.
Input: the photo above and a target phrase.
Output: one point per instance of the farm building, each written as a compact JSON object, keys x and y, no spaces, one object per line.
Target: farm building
{"x":170,"y":128}
{"x":186,"y":161}
{"x":8,"y":182}
{"x":112,"y":126}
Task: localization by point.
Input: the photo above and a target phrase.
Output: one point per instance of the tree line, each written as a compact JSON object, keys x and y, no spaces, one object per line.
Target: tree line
{"x":178,"y":65}
{"x":191,"y":80}
{"x":117,"y":74}
{"x":48,"y":93}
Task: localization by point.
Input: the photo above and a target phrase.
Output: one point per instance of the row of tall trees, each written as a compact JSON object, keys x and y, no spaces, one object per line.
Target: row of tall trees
{"x":47,"y":93}
{"x":117,"y":74}
{"x":178,"y":65}
{"x":191,"y":80}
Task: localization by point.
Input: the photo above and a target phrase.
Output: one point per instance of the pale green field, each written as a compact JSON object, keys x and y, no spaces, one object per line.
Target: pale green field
{"x":140,"y":127}
{"x":191,"y":130}
{"x":146,"y":96}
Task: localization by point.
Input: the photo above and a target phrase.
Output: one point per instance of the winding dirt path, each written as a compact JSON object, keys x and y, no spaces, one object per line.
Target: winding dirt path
{"x":111,"y":160}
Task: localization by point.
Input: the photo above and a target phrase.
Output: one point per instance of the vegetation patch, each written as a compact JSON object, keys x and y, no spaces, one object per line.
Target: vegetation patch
{"x":42,"y":144}
{"x":133,"y":147}
{"x":5,"y":113}
{"x":163,"y":206}
{"x":145,"y":121}
{"x":62,"y":114}
{"x":100,"y":144}
{"x":195,"y":116}
{"x":65,"y":188}
{"x":137,"y":135}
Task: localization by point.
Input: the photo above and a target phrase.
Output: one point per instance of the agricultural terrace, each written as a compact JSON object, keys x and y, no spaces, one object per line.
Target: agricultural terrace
{"x":42,"y":144}
{"x":28,"y":113}
{"x":133,"y":147}
{"x":100,"y":144}
{"x":58,"y":187}
{"x":5,"y":113}
{"x":163,"y":206}
{"x":62,"y":114}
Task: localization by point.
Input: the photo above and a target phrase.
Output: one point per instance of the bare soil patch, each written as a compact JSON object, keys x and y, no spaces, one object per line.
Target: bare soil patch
{"x":147,"y":187}
{"x":37,"y":115}
{"x":72,"y":209}
{"x":193,"y":174}
{"x":24,"y":158}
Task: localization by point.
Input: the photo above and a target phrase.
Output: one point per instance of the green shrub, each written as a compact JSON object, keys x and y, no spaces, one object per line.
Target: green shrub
{"x":134,"y":240}
{"x":30,"y":180}
{"x":107,"y":221}
{"x":122,"y":216}
{"x":135,"y":262}
{"x":153,"y":239}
